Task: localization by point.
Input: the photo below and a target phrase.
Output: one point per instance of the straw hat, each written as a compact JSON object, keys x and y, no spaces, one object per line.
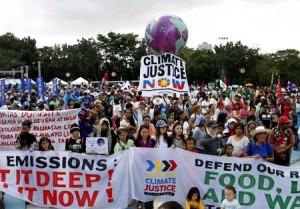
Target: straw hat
{"x":260,"y":129}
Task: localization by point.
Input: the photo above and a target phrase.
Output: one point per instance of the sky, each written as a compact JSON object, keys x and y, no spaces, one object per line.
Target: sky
{"x":270,"y":25}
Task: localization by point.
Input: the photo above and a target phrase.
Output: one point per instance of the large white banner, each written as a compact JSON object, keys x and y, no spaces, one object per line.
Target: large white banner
{"x":52,"y":124}
{"x":66,"y":180}
{"x":69,"y":180}
{"x":170,"y":173}
{"x":162,"y":74}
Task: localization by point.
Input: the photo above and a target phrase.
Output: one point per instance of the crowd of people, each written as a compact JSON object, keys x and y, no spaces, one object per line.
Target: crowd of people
{"x":237,"y":122}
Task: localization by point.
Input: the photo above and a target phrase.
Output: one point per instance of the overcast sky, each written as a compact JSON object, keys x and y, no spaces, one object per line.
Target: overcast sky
{"x":270,"y":25}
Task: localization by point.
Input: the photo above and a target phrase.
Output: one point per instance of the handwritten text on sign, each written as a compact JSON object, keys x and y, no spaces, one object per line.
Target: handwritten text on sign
{"x":52,"y":124}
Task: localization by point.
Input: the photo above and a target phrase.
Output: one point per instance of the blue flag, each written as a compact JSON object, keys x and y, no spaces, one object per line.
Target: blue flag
{"x":2,"y":92}
{"x":40,"y":88}
{"x":55,"y":89}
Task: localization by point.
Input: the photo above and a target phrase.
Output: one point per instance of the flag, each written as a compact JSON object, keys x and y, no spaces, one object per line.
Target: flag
{"x":222,"y":84}
{"x":291,"y":86}
{"x":104,"y":79}
{"x":272,"y":79}
{"x":225,"y":80}
{"x":279,"y":92}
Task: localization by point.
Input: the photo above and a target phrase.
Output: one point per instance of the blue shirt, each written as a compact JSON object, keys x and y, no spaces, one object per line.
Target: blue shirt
{"x":264,"y":150}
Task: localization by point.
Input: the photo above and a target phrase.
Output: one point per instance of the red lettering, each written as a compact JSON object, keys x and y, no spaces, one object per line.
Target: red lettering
{"x":57,"y":177}
{"x":91,"y":178}
{"x":30,"y":191}
{"x":75,"y":176}
{"x":66,"y":201}
{"x":42,"y":178}
{"x":3,"y":174}
{"x":50,"y":196}
{"x":86,"y":198}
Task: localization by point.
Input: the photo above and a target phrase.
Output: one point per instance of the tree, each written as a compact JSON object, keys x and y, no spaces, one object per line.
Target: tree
{"x":233,"y":57}
{"x":121,"y":53}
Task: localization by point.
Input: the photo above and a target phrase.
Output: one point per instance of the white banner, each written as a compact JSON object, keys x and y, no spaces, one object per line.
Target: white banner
{"x":163,"y":74}
{"x":66,"y":180}
{"x":52,"y":124}
{"x":170,"y":173}
{"x":63,"y":179}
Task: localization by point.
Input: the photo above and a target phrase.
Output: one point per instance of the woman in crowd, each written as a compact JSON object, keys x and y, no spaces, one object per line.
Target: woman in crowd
{"x":104,"y":130}
{"x":182,"y":119}
{"x":259,"y":147}
{"x":26,"y":140}
{"x":162,"y":138}
{"x":144,"y":138}
{"x":239,"y":140}
{"x":123,"y":142}
{"x":45,"y":144}
{"x":178,"y":136}
{"x":196,"y":112}
{"x":251,"y":126}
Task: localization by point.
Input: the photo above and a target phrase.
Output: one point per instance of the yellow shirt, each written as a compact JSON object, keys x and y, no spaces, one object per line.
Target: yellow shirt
{"x":191,"y":204}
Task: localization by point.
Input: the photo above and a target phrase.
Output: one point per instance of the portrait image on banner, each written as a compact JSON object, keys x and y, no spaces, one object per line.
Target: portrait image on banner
{"x":163,"y":74}
{"x":96,"y":145}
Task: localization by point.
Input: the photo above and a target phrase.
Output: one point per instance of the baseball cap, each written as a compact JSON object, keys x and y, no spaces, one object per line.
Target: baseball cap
{"x":82,"y":112}
{"x":161,"y":124}
{"x":200,"y":119}
{"x":212,"y":124}
{"x":74,"y":127}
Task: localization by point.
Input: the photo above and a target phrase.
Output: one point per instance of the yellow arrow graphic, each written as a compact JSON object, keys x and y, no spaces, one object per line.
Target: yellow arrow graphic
{"x":158,"y":165}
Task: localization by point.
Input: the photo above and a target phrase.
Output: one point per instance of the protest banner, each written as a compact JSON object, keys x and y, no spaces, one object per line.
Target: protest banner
{"x":163,"y":74}
{"x":66,"y":180}
{"x":52,"y":124}
{"x":170,"y":173}
{"x":63,"y":179}
{"x":40,"y":87}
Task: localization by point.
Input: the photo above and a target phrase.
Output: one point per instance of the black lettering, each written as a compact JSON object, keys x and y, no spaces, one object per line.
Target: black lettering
{"x":41,"y":162}
{"x":54,"y":161}
{"x":101,"y":165}
{"x":10,"y":160}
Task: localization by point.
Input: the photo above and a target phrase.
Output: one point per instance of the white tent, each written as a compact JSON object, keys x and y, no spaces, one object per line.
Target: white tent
{"x":79,"y":81}
{"x":14,"y":81}
{"x":61,"y":81}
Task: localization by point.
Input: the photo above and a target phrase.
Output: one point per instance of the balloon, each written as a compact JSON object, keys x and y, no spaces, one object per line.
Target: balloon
{"x":167,"y":35}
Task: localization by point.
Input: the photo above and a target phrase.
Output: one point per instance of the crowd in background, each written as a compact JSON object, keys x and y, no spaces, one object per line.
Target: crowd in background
{"x":203,"y":120}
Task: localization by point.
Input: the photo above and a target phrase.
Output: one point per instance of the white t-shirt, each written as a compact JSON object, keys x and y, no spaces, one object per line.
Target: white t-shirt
{"x":230,"y":205}
{"x":238,"y":146}
{"x":161,"y":142}
{"x":117,"y":110}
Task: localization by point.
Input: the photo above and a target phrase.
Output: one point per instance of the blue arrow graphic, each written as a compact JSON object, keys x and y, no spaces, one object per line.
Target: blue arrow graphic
{"x":151,"y":165}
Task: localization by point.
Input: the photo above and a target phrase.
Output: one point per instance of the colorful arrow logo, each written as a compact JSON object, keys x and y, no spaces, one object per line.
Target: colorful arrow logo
{"x":164,"y":165}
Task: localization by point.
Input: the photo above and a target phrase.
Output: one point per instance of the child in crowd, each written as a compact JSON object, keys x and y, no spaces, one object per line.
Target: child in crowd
{"x":177,"y":136}
{"x":75,"y":143}
{"x":193,"y":199}
{"x":230,"y":202}
{"x":45,"y":144}
{"x":26,"y":140}
{"x":190,"y":144}
{"x":228,"y":150}
{"x":122,"y":141}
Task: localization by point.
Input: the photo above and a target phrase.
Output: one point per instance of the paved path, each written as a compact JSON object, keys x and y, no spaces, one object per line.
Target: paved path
{"x":14,"y":203}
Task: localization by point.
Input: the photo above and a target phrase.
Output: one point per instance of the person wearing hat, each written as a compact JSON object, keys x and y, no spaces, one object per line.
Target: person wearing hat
{"x":282,"y":139}
{"x":54,"y":101}
{"x":259,"y":147}
{"x":199,"y":131}
{"x":285,"y":107}
{"x":162,"y":138}
{"x":86,"y":123}
{"x":210,"y":141}
{"x":75,"y":143}
{"x":173,"y":109}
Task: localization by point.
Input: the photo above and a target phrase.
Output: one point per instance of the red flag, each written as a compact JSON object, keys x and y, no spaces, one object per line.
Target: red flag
{"x":279,"y":92}
{"x":105,"y":76}
{"x":225,"y":80}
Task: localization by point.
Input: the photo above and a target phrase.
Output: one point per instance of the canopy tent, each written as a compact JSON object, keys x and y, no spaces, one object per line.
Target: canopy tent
{"x":14,"y":81}
{"x":61,"y":81}
{"x":79,"y":81}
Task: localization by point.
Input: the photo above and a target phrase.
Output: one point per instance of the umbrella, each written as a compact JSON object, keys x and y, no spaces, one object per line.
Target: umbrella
{"x":248,"y":84}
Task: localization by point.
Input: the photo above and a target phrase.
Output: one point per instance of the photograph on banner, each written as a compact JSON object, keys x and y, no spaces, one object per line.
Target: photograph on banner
{"x":163,"y":74}
{"x":96,"y":145}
